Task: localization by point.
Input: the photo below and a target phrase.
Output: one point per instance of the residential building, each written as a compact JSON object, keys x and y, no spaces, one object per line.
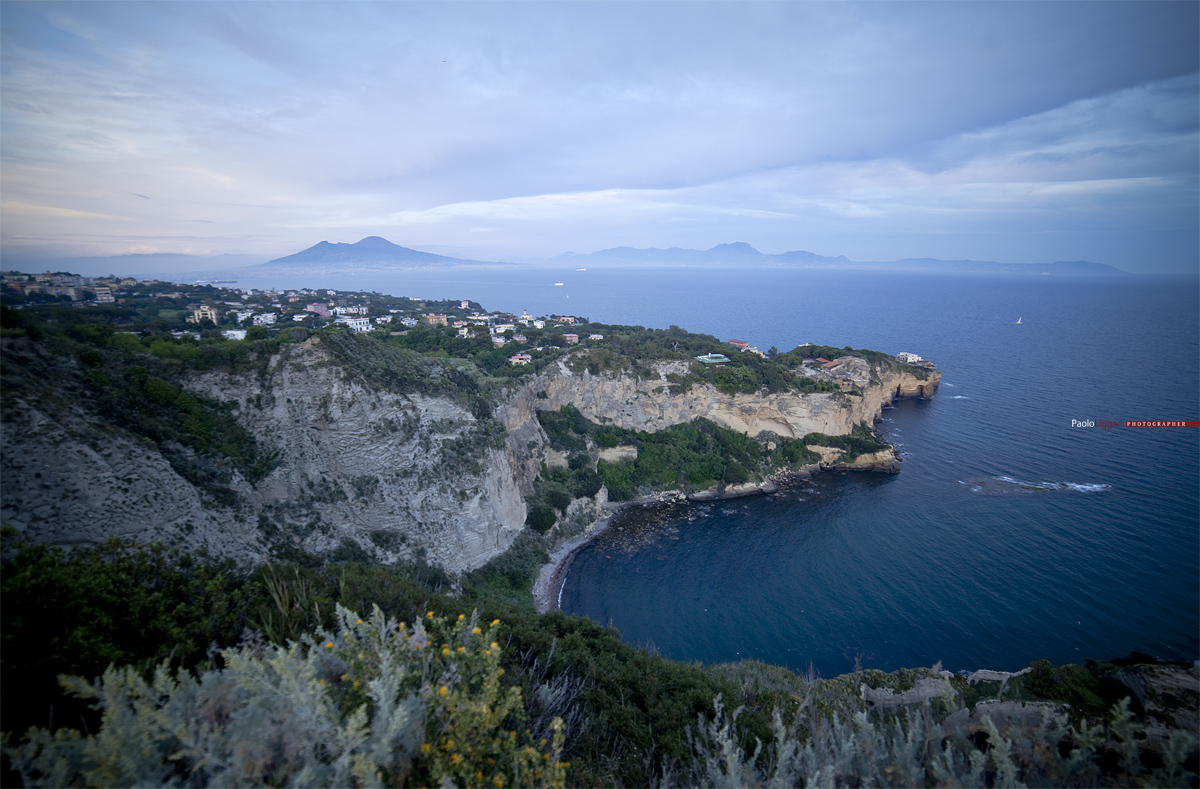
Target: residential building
{"x":462,"y":305}
{"x":409,"y":322}
{"x":319,"y":308}
{"x":713,"y":358}
{"x":525,"y":316}
{"x":741,"y":345}
{"x":234,"y":334}
{"x":519,"y":358}
{"x":103,"y":295}
{"x":265,"y":319}
{"x":206,"y":312}
{"x":572,"y":339}
{"x":435,"y":319}
{"x":244,"y":315}
{"x":356,"y":325}
{"x":910,"y":358}
{"x":567,"y":319}
{"x":539,"y":324}
{"x":595,"y":336}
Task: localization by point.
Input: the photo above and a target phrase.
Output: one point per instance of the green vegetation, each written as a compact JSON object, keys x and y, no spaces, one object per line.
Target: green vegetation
{"x":73,"y":359}
{"x":692,"y":456}
{"x":478,"y":688}
{"x":860,"y":441}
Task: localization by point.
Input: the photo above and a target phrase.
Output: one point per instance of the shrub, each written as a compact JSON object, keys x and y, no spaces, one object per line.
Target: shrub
{"x":372,"y":703}
{"x":541,"y":518}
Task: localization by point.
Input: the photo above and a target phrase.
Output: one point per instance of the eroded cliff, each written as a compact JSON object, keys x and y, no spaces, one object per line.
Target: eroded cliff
{"x":654,"y":403}
{"x":359,"y":471}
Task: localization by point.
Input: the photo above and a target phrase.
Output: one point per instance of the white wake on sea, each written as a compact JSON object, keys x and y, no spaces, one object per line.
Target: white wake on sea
{"x":1002,"y":485}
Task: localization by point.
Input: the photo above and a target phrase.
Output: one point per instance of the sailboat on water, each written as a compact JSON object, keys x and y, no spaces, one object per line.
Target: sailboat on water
{"x":1018,"y":320}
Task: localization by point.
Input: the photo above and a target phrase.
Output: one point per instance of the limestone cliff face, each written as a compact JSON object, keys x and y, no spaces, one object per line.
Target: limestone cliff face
{"x":372,"y":473}
{"x":394,"y":474}
{"x":67,"y":480}
{"x":365,"y":472}
{"x":654,"y":404}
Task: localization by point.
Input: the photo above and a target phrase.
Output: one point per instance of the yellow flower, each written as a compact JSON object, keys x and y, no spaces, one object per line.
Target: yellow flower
{"x":443,"y":690}
{"x":424,"y":747}
{"x":329,"y":645}
{"x":449,"y":745}
{"x":479,"y":775}
{"x":495,"y":645}
{"x":359,"y":622}
{"x":462,"y":649}
{"x":429,"y":614}
{"x":344,"y":677}
{"x":476,"y":631}
{"x":356,"y":683}
{"x":461,"y":617}
{"x":445,"y":650}
{"x":499,"y":672}
{"x":498,"y":781}
{"x":455,"y":758}
{"x":495,"y":622}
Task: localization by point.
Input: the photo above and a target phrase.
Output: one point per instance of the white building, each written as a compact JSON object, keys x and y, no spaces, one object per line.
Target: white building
{"x":355,"y":325}
{"x":242,"y":315}
{"x":907,"y":357}
{"x":234,"y":334}
{"x":539,"y":324}
{"x":265,"y":319}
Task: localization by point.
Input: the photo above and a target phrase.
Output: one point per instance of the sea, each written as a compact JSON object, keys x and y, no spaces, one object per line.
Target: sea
{"x":1021,"y":526}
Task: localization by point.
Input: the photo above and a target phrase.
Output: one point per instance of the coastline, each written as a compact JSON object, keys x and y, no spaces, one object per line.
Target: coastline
{"x":547,"y":588}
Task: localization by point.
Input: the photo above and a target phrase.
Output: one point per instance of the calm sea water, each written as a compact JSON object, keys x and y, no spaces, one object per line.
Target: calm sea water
{"x":1010,"y":535}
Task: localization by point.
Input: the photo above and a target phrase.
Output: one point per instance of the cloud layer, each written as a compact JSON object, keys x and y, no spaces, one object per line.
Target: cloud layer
{"x":1017,"y":132}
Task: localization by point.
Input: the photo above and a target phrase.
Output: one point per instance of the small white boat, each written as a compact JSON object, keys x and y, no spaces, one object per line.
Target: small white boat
{"x":559,"y":285}
{"x":581,"y":269}
{"x":1018,"y":320}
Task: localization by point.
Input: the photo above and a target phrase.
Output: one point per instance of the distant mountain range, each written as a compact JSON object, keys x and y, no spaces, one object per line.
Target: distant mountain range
{"x":374,"y":254}
{"x":371,"y":254}
{"x":378,"y":254}
{"x":741,"y":253}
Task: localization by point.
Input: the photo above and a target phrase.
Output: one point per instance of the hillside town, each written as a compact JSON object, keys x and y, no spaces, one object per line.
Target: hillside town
{"x":206,"y":310}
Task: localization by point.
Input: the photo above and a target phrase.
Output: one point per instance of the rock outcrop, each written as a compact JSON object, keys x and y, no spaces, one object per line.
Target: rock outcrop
{"x":655,"y":403}
{"x":367,"y":473}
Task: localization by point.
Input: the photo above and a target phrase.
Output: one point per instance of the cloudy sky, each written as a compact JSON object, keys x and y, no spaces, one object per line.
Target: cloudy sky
{"x":1019,"y":132}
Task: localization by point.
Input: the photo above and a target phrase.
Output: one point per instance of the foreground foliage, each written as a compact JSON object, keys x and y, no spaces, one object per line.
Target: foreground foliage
{"x":372,"y":703}
{"x":219,"y":676}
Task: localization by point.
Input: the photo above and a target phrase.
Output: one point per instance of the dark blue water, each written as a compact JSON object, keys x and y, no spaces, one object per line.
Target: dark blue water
{"x":1009,"y":535}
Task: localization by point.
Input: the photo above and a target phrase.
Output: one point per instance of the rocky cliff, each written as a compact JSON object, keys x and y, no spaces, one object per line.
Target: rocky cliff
{"x":654,"y":403}
{"x":361,"y":472}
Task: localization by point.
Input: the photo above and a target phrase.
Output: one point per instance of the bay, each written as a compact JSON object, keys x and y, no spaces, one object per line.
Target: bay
{"x":1009,"y":535}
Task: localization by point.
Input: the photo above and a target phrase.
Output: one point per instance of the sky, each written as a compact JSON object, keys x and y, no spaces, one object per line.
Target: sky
{"x":1022,"y":132}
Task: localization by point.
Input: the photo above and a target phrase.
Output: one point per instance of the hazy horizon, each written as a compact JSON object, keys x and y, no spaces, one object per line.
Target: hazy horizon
{"x":1016,"y":133}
